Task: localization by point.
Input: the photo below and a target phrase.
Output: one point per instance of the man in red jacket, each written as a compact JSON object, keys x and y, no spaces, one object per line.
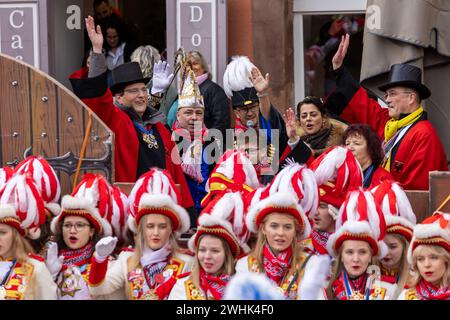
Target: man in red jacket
{"x":141,"y":140}
{"x":412,"y":146}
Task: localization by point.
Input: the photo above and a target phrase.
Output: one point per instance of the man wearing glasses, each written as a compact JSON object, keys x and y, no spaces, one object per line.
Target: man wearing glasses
{"x":141,"y":139}
{"x":412,"y":146}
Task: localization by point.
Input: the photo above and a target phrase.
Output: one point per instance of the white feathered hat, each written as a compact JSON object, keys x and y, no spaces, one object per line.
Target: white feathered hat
{"x":22,"y":194}
{"x":360,"y":218}
{"x":279,"y":202}
{"x":91,"y":199}
{"x":155,"y":192}
{"x":396,"y":208}
{"x":433,"y":231}
{"x":118,"y":215}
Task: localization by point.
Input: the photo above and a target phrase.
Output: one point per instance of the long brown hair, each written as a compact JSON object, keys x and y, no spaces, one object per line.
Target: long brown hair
{"x":403,"y":270}
{"x":228,"y":266}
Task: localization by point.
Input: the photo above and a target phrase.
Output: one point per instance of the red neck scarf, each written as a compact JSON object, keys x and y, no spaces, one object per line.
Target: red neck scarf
{"x":187,"y":135}
{"x":319,"y":241}
{"x":356,"y":285}
{"x":427,"y":291}
{"x":78,"y":257}
{"x":215,"y":285}
{"x":276,"y":266}
{"x":240,"y":127}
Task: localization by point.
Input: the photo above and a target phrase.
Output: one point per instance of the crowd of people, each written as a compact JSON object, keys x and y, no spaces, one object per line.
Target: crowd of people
{"x":312,"y":200}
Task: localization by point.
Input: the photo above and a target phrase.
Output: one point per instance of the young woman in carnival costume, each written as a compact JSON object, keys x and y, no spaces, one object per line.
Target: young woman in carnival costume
{"x":337,"y":172}
{"x":400,"y":222}
{"x":23,"y":275}
{"x":77,"y":229}
{"x":216,"y":248}
{"x":429,"y":256}
{"x":360,"y":229}
{"x":150,"y":271}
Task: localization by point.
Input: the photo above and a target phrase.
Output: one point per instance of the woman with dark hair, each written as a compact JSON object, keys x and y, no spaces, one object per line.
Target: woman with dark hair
{"x":316,"y":128}
{"x":365,"y":145}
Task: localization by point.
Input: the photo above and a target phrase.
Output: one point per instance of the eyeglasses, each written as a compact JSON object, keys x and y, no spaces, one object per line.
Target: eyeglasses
{"x":78,"y":226}
{"x":136,"y":91}
{"x":392,"y":94}
{"x":253,"y":109}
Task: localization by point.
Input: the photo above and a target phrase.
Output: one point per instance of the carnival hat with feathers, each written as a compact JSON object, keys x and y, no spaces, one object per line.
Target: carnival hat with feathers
{"x":237,"y":84}
{"x":360,"y":218}
{"x":294,"y":179}
{"x":224,"y":217}
{"x":433,"y":231}
{"x":337,"y":172}
{"x":234,"y":172}
{"x":6,"y":173}
{"x":118,"y":215}
{"x":394,"y":203}
{"x":278,"y":202}
{"x":189,"y":95}
{"x":155,"y":192}
{"x":91,"y":200}
{"x":22,"y":195}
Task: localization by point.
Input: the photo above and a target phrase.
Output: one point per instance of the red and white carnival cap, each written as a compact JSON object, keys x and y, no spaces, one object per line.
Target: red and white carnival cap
{"x":118,"y":215}
{"x":396,"y":208}
{"x":91,"y":199}
{"x":46,"y":180}
{"x":337,"y":172}
{"x":433,"y":231}
{"x":224,"y":217}
{"x":6,"y":173}
{"x":233,"y":173}
{"x":156,"y":193}
{"x":22,"y":194}
{"x":360,"y":218}
{"x":294,"y":179}
{"x":278,"y":202}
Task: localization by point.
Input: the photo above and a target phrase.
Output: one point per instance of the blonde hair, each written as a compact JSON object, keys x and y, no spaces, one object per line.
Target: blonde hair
{"x":257,"y":252}
{"x":439,"y":251}
{"x":228,"y":266}
{"x":403,"y":270}
{"x":198,"y":57}
{"x":146,"y":56}
{"x":20,"y":247}
{"x":338,"y":267}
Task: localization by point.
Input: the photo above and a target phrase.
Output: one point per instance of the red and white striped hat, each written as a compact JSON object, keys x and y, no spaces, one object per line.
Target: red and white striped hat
{"x":294,"y":179}
{"x":337,"y":172}
{"x":233,"y":173}
{"x":91,"y":199}
{"x":22,"y":194}
{"x":360,"y":218}
{"x":6,"y":173}
{"x":433,"y":231}
{"x":155,"y":192}
{"x":224,"y":217}
{"x":118,"y":215}
{"x":396,"y":208}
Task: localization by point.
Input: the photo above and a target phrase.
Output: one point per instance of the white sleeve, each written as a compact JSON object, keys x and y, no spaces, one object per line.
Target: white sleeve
{"x":314,"y":278}
{"x":178,"y":291}
{"x":242,"y":265}
{"x":43,"y":286}
{"x":115,"y":278}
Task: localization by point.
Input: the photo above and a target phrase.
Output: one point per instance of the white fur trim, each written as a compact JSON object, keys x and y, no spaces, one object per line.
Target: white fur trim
{"x":164,"y":200}
{"x":54,"y":208}
{"x":6,"y":211}
{"x":393,"y":220}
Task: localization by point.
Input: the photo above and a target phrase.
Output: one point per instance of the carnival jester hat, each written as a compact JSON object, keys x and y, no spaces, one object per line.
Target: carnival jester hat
{"x":337,"y":172}
{"x":23,"y":206}
{"x":234,"y":172}
{"x":360,"y":218}
{"x":91,"y":200}
{"x":394,"y":203}
{"x":155,"y":192}
{"x":189,"y":95}
{"x":224,"y":217}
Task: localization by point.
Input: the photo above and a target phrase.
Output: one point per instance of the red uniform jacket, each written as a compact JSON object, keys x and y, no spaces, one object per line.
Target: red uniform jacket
{"x":418,"y":152}
{"x":126,"y":140}
{"x":379,"y":176}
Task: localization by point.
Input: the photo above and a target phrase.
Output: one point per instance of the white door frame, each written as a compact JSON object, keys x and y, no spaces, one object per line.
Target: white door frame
{"x":313,"y":7}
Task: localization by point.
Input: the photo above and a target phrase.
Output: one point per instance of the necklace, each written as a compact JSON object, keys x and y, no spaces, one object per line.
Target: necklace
{"x":148,"y":136}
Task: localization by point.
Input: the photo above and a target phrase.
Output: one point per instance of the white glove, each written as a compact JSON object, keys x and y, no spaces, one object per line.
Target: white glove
{"x":161,"y":77}
{"x":53,"y":262}
{"x":104,"y":247}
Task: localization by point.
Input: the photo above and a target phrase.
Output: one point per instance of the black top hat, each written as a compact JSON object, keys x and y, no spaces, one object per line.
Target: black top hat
{"x":126,"y":74}
{"x":244,"y":98}
{"x":406,"y":75}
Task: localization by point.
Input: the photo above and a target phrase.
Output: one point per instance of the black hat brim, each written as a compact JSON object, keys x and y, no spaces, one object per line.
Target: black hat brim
{"x":423,"y":91}
{"x":118,"y":87}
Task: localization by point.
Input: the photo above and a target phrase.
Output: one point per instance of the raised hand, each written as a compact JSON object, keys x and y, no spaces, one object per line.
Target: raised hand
{"x":53,"y":262}
{"x":104,"y":247}
{"x":291,"y":124}
{"x":95,"y":34}
{"x":161,"y":77}
{"x":338,"y":58}
{"x":260,"y":83}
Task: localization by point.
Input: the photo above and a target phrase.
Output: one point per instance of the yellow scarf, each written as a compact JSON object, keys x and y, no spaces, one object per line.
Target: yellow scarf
{"x":392,"y":126}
